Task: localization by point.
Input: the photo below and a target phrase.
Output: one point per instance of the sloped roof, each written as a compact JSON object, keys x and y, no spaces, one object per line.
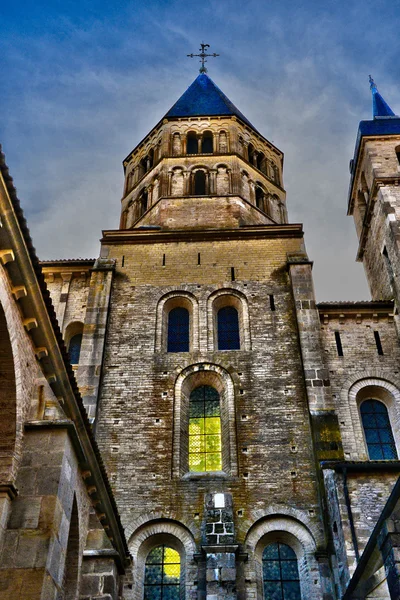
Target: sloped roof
{"x":203,"y":98}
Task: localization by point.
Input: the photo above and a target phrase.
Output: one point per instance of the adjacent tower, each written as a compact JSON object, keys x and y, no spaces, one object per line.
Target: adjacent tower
{"x":374,"y":198}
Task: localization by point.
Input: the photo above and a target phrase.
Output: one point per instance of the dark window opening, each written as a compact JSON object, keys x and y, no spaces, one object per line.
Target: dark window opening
{"x":178,"y":330}
{"x":280,"y":573}
{"x":228,"y":328}
{"x":163,"y":260}
{"x":143,"y":202}
{"x":250,"y":153}
{"x":378,"y":343}
{"x":207,"y":143}
{"x":198,"y":258}
{"x":272,"y":302}
{"x":260,"y":198}
{"x":339,"y":346}
{"x":199,"y":183}
{"x":205,"y":437}
{"x":192,"y":146}
{"x":232,"y":273}
{"x":74,"y":348}
{"x":162,"y":574}
{"x":398,"y":154}
{"x":377,"y":430}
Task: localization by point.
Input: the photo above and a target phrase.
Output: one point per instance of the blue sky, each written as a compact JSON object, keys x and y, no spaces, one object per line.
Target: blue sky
{"x":83,"y":82}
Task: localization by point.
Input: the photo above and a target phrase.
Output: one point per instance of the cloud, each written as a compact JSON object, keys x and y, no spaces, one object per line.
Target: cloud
{"x":86,"y":84}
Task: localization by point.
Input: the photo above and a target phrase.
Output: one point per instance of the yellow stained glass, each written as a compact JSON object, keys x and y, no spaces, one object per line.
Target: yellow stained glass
{"x":196,"y":426}
{"x":197,"y":462}
{"x":171,"y":556}
{"x":213,"y":425}
{"x":196,"y":443}
{"x":213,"y":443}
{"x":214,"y":462}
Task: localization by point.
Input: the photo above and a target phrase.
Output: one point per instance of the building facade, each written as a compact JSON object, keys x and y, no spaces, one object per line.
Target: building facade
{"x":226,"y":437}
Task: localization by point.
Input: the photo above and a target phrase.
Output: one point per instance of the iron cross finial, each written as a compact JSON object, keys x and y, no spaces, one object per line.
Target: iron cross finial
{"x":203,"y":56}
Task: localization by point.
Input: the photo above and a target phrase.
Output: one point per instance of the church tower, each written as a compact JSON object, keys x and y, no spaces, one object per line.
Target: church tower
{"x":374,"y":198}
{"x":204,"y":416}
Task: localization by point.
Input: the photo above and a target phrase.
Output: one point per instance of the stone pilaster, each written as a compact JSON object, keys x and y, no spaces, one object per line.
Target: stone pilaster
{"x":219,"y":547}
{"x":94,"y":332}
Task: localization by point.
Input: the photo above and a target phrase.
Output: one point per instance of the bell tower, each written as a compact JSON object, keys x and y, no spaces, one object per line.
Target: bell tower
{"x":203,"y":165}
{"x":374,"y":198}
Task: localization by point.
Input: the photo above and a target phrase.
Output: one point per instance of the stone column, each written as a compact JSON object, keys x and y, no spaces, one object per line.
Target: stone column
{"x":213,"y":181}
{"x":94,"y":333}
{"x":219,"y":547}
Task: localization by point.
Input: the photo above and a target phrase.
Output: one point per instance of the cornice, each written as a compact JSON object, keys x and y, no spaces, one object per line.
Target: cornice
{"x":140,"y":236}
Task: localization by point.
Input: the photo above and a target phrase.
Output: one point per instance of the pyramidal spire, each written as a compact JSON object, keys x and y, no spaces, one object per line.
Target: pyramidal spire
{"x":380,"y":108}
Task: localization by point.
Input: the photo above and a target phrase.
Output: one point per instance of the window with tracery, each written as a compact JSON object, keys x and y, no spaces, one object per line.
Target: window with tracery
{"x":228,"y":328}
{"x":178,"y":330}
{"x":162,"y":574}
{"x":205,"y":438}
{"x":378,"y":431}
{"x":280,"y":573}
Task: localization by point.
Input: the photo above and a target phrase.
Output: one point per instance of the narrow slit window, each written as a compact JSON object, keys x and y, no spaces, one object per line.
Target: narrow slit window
{"x":232,"y":273}
{"x":205,"y":438}
{"x":280,"y":573}
{"x":163,"y":260}
{"x":378,"y":343}
{"x":162,"y":574}
{"x":271,"y":302}
{"x":198,"y":259}
{"x":178,"y":330}
{"x":228,"y":328}
{"x":378,"y":431}
{"x":339,"y":346}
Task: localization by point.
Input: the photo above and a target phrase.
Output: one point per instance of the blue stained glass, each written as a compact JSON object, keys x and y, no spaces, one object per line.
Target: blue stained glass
{"x":74,"y":348}
{"x":378,"y":432}
{"x":228,"y":329}
{"x":280,"y":573}
{"x":178,"y":330}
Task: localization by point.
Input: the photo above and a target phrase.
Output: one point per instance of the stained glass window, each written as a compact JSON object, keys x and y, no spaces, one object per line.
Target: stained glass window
{"x":205,"y":447}
{"x":74,"y":348}
{"x":280,"y":573}
{"x":162,"y":574}
{"x":378,"y":432}
{"x":178,"y":330}
{"x":228,"y":328}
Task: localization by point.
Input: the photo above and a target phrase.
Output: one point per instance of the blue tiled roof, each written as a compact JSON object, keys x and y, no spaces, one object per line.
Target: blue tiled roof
{"x":203,"y":98}
{"x":380,"y":108}
{"x":379,"y":126}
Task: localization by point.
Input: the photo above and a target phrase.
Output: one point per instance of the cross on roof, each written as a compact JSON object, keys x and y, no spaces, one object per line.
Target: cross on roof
{"x":203,"y":54}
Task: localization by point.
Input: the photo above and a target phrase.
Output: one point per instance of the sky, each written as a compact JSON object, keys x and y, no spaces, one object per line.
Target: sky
{"x":83,"y":82}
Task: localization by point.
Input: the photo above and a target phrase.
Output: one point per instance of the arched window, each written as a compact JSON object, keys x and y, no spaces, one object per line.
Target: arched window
{"x":74,"y":348}
{"x":250,"y":153}
{"x":143,"y":202}
{"x":162,"y":574}
{"x":199,"y":183}
{"x":397,"y":150}
{"x":260,"y":198}
{"x":280,"y":573}
{"x":228,"y":328}
{"x":178,"y":330}
{"x":377,"y":430}
{"x":207,"y":143}
{"x":261,"y":162}
{"x":205,"y":446}
{"x":192,"y":146}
